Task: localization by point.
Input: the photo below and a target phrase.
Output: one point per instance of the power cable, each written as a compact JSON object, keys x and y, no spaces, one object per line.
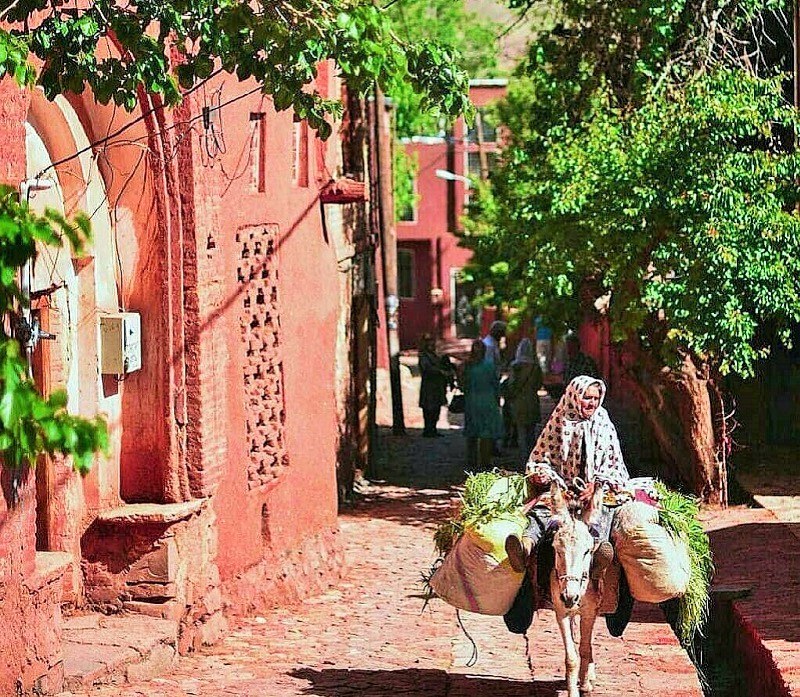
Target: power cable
{"x":122,"y":129}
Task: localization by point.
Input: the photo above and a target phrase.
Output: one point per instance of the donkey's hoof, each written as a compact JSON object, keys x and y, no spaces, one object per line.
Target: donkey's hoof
{"x":587,"y":684}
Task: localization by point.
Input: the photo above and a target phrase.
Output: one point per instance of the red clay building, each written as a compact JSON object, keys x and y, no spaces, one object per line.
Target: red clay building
{"x":247,"y":271}
{"x":432,"y":298}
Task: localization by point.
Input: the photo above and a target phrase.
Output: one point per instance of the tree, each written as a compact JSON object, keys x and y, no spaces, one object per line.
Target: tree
{"x":116,"y":49}
{"x":472,"y":38}
{"x":113,"y":48}
{"x":647,"y":174}
{"x":29,"y":423}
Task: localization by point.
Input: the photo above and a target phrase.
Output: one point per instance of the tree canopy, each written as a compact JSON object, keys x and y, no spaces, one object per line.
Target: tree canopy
{"x":471,"y":37}
{"x":114,"y":48}
{"x":650,"y":172}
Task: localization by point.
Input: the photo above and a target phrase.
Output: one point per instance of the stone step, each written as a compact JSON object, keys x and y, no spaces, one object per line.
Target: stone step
{"x":116,"y":649}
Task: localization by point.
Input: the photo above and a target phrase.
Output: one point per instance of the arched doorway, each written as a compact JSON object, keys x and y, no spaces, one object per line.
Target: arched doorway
{"x":68,"y":294}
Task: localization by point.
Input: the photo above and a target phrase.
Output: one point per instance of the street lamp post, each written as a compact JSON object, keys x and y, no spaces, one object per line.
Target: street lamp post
{"x":453,"y":177}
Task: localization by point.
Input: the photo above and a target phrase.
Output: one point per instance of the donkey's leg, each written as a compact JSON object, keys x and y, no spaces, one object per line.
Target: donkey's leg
{"x":570,"y":650}
{"x":586,"y":677}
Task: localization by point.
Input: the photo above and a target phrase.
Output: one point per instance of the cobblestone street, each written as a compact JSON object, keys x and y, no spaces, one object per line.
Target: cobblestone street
{"x":369,"y":636}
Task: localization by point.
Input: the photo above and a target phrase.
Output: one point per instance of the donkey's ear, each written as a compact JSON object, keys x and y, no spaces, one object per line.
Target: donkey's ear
{"x":593,"y":510}
{"x":558,"y":503}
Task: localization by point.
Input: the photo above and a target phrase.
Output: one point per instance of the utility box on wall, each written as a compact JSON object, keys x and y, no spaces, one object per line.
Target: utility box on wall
{"x":120,"y":343}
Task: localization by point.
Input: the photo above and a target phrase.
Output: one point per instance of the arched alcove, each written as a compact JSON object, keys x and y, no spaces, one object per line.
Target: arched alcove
{"x":70,"y":292}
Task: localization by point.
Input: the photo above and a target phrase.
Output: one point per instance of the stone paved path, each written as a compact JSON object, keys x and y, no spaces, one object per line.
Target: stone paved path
{"x":369,"y":636}
{"x":758,"y":548}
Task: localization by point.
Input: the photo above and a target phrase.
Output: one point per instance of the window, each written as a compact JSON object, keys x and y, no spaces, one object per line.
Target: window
{"x":407,"y":209}
{"x":300,"y":153}
{"x":474,"y":164}
{"x":258,"y":174}
{"x":405,"y":274}
{"x":489,"y":128}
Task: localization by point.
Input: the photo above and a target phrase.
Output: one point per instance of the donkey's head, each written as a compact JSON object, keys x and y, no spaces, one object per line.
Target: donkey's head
{"x":573,"y":544}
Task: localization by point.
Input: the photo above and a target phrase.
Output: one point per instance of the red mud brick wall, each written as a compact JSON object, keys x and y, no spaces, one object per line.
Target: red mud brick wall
{"x":30,"y":624}
{"x":30,"y":614}
{"x":267,"y":289}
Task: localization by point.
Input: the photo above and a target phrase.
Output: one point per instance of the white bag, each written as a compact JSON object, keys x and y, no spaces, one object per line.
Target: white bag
{"x":656,"y":564}
{"x":476,"y":574}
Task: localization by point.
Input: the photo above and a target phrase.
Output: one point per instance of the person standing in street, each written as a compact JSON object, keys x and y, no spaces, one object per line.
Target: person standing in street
{"x":436,"y":375}
{"x":483,"y":423}
{"x":578,"y":363}
{"x":522,"y":394}
{"x":494,"y":356}
{"x":492,"y":343}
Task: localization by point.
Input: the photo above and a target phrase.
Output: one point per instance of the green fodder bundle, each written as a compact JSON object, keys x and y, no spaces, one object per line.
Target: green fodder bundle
{"x":678,"y":514}
{"x":487,"y":496}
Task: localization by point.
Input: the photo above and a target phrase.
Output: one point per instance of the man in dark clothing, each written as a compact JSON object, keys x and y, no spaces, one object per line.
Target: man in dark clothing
{"x":437,"y":373}
{"x":578,"y":363}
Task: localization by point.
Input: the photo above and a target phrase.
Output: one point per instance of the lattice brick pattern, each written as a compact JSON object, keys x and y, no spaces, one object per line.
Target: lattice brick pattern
{"x":263,"y":368}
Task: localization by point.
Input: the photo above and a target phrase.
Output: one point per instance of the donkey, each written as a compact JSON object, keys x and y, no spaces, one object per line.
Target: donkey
{"x":572,"y":592}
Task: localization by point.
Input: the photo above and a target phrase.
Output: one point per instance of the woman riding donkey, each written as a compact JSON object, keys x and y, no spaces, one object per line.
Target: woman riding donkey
{"x":579,"y":449}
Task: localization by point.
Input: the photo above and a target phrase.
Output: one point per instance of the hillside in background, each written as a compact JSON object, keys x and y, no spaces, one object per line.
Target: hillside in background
{"x":512,"y":45}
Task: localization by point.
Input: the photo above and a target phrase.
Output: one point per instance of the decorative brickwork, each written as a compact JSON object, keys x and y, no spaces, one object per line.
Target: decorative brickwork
{"x":263,"y":368}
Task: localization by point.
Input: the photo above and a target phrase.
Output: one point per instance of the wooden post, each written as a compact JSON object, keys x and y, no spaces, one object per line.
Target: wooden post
{"x":45,"y":467}
{"x":389,"y":251}
{"x":482,"y":156}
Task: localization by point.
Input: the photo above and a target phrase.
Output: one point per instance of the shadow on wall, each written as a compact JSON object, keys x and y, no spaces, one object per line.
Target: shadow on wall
{"x":380,"y":683}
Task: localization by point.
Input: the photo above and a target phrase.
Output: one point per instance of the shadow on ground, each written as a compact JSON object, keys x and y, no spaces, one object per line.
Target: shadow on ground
{"x":336,"y":682}
{"x":769,"y":470}
{"x":416,"y":480}
{"x":415,"y":461}
{"x":406,"y":506}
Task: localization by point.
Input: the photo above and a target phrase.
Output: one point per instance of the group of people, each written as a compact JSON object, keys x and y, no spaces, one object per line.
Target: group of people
{"x":578,"y":447}
{"x":480,"y":381}
{"x":485,"y":382}
{"x":501,"y":399}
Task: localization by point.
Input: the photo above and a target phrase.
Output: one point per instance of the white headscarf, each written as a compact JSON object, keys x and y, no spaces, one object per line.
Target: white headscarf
{"x":524,"y":352}
{"x":558,"y":448}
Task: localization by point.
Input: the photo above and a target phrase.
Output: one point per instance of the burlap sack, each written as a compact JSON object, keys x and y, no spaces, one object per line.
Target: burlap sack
{"x":656,"y":565}
{"x":476,"y":575}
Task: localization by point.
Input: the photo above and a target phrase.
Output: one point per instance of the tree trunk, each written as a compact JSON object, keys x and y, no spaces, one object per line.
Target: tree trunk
{"x":677,"y":405}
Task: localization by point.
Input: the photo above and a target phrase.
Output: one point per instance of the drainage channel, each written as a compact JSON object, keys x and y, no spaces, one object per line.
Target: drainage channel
{"x":718,"y":655}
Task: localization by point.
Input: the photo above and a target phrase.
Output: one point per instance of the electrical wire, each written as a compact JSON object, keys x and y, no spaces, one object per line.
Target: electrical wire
{"x":121,"y":130}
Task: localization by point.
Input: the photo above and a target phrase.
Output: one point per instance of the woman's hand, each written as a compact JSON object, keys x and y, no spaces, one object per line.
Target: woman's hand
{"x":539,"y":477}
{"x":587,"y":494}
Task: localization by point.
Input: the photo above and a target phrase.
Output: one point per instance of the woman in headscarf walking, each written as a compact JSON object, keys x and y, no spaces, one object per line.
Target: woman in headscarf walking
{"x":578,"y":448}
{"x":522,"y":395}
{"x":483,"y":422}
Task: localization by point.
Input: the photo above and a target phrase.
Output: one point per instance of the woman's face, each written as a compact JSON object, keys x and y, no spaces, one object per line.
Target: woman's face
{"x":590,"y":401}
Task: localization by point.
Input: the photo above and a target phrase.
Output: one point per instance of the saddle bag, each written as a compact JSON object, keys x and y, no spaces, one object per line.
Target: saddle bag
{"x":476,"y":574}
{"x":656,"y":564}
